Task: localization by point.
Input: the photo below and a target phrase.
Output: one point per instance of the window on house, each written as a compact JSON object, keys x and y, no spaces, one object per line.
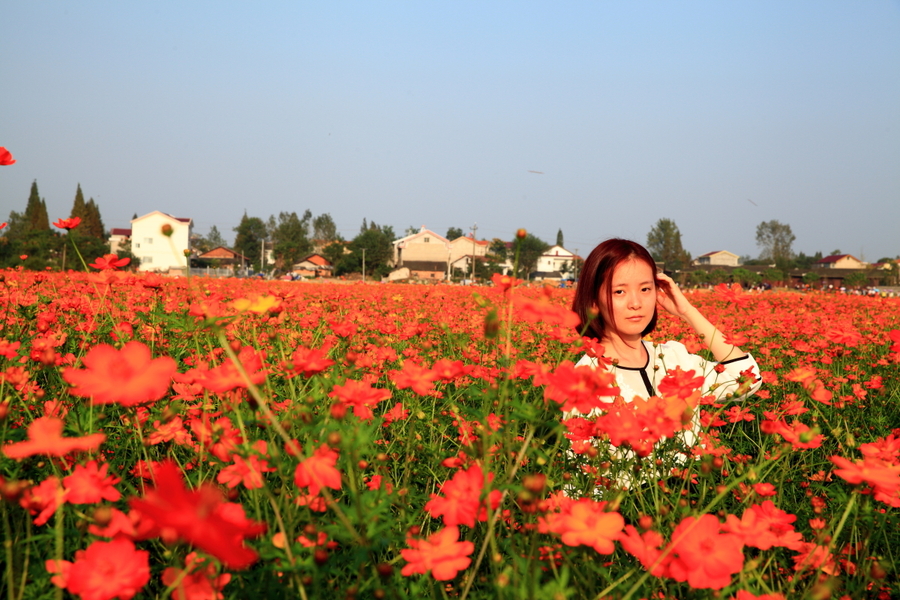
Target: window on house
{"x":147,"y":260}
{"x":148,"y":240}
{"x":427,"y":240}
{"x":137,"y":244}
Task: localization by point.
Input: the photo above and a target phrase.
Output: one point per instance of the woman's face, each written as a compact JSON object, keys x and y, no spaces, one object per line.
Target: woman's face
{"x":633,"y":302}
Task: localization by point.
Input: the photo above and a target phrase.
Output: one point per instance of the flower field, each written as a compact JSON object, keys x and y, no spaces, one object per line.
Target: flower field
{"x":204,"y":439}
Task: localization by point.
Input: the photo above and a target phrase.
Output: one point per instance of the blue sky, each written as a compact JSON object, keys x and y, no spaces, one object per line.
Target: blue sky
{"x":718,"y":115}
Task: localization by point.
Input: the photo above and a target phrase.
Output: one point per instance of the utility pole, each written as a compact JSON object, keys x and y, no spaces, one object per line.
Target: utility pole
{"x":262,"y":254}
{"x":474,"y":230}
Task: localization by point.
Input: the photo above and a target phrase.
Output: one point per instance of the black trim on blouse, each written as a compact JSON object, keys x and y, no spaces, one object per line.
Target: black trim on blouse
{"x":643,"y":370}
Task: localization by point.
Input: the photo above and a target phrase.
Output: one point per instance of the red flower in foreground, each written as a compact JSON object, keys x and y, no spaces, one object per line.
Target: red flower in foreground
{"x":6,"y":158}
{"x":110,"y":261}
{"x":68,"y":223}
{"x":128,"y":376}
{"x":201,"y":517}
{"x":461,"y":501}
{"x":310,"y":361}
{"x":227,"y":377}
{"x":442,"y":554}
{"x":702,"y":556}
{"x":104,"y":571}
{"x":45,"y":437}
{"x":361,"y":396}
{"x":89,"y":484}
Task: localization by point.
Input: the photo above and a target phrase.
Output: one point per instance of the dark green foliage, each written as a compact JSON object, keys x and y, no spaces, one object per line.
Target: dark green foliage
{"x":453,"y":233}
{"x":664,"y":244}
{"x":36,"y":218}
{"x":324,"y":229}
{"x":251,"y":233}
{"x":559,"y":239}
{"x":378,"y":252}
{"x":93,"y":224}
{"x":529,"y":250}
{"x":775,"y":240}
{"x":291,"y":237}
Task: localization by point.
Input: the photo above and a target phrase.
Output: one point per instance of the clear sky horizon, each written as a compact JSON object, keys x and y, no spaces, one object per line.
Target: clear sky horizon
{"x":597,"y":118}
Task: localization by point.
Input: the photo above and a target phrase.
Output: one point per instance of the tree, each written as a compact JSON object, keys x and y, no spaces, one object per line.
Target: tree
{"x":36,"y":218}
{"x":856,"y":279}
{"x":529,"y":250}
{"x":775,"y":240}
{"x":334,"y":251}
{"x":79,"y":206}
{"x":664,"y":244}
{"x":324,"y":229}
{"x":215,"y":238}
{"x":251,"y":233}
{"x":773,"y":276}
{"x":93,"y":224}
{"x":559,"y":239}
{"x":376,"y":242}
{"x":453,"y":233}
{"x":499,"y":249}
{"x":291,"y":237}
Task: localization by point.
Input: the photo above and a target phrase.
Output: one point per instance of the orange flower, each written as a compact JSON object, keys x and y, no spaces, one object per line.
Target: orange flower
{"x":128,"y":376}
{"x":442,"y":554}
{"x":45,"y":437}
{"x":197,"y":581}
{"x":227,"y":377}
{"x":318,"y":471}
{"x":884,"y":477}
{"x":504,"y":282}
{"x":43,"y":499}
{"x":585,"y":522}
{"x":110,"y":261}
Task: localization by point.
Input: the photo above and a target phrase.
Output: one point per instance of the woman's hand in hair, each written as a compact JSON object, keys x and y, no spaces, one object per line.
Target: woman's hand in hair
{"x":670,"y":298}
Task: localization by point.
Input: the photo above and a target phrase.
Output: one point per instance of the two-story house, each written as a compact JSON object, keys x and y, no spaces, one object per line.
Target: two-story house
{"x":161,"y":241}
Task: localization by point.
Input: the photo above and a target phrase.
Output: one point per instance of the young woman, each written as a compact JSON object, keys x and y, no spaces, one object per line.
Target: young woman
{"x":617,"y":298}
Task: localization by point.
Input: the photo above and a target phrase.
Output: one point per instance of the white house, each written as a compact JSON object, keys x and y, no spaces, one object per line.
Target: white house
{"x":157,"y":250}
{"x":555,"y":263}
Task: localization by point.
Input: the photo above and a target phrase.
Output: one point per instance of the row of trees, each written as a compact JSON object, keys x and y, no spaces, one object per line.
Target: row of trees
{"x":774,"y":239}
{"x":30,"y":241}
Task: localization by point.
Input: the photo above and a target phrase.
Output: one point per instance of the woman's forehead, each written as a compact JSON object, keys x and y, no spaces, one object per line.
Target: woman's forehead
{"x":631,"y":271}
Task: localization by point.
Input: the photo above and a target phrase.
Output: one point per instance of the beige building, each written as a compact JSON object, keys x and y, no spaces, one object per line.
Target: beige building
{"x":841,"y":261}
{"x":719,"y":257}
{"x":424,"y":245}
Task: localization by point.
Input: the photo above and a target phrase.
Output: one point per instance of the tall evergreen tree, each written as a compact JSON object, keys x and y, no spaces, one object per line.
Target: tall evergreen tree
{"x":324,"y":229}
{"x":664,"y":244}
{"x":79,"y":207}
{"x":559,"y":239}
{"x":36,"y":218}
{"x":291,"y":239}
{"x":94,"y":222}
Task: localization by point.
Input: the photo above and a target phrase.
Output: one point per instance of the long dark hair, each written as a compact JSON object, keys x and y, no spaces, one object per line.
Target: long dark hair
{"x":598,"y":269}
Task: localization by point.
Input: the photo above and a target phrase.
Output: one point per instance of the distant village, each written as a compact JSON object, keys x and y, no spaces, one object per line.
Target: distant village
{"x":427,"y":256}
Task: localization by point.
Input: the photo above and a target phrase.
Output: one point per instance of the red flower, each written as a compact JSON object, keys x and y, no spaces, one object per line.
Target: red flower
{"x":318,"y":471}
{"x":310,"y":361}
{"x":580,"y":388}
{"x":199,"y":581}
{"x":90,"y":484}
{"x":461,"y":502}
{"x":420,"y":379}
{"x":128,"y":376}
{"x":201,"y":517}
{"x":104,"y":571}
{"x":680,"y":384}
{"x":442,"y":554}
{"x":45,"y":437}
{"x":6,"y":158}
{"x":110,"y":261}
{"x":702,"y":556}
{"x":68,"y":223}
{"x":43,"y":499}
{"x":227,"y":377}
{"x":504,"y":282}
{"x":361,"y":396}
